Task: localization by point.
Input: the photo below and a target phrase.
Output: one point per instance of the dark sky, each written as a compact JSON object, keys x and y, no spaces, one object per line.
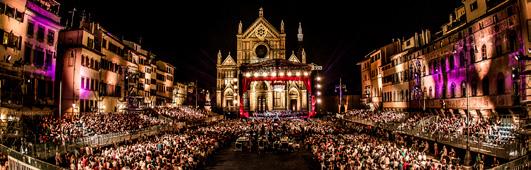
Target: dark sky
{"x":337,"y":34}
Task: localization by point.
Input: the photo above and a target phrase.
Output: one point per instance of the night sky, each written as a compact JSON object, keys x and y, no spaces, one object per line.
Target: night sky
{"x":337,"y":34}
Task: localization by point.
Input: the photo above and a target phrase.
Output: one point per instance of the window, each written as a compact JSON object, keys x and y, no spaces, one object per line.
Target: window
{"x":87,"y":84}
{"x":443,"y":64}
{"x":452,"y":90}
{"x":473,"y":6}
{"x":104,"y":43}
{"x":51,"y":37}
{"x":31,"y":29}
{"x":485,"y":86}
{"x":444,"y":92}
{"x":82,"y":83}
{"x":38,"y":59}
{"x":451,"y":61}
{"x":2,"y":8}
{"x":462,"y":59}
{"x":10,"y":12}
{"x":48,"y":59}
{"x":500,"y":84}
{"x":430,"y":94}
{"x":27,"y":53}
{"x":40,"y":34}
{"x":90,"y":43}
{"x":463,"y":89}
{"x":92,"y":84}
{"x":19,"y":16}
{"x":484,"y":52}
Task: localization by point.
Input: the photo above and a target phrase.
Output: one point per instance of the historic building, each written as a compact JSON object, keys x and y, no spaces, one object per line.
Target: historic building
{"x":263,"y":77}
{"x":180,"y":92}
{"x":28,"y":48}
{"x":103,"y":73}
{"x":164,"y":95}
{"x":476,"y":62}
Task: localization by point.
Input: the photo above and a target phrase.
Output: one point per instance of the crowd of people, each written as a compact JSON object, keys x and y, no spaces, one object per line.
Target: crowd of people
{"x":186,"y":150}
{"x":365,"y":147}
{"x":183,"y":113}
{"x":489,"y":131}
{"x":280,"y":114}
{"x":70,"y":128}
{"x":334,"y":143}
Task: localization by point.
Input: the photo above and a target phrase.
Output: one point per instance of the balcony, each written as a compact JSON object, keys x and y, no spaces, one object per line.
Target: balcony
{"x":46,"y":8}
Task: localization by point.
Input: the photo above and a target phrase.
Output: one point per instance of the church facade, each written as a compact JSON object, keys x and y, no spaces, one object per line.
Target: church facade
{"x":262,"y":77}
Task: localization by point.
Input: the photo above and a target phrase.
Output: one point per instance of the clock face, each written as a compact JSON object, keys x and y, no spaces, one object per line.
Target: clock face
{"x":261,"y":51}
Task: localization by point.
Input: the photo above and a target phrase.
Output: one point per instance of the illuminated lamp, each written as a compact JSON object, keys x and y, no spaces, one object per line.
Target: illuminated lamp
{"x":298,"y":73}
{"x":247,"y":74}
{"x":305,"y":73}
{"x":289,"y":73}
{"x":264,"y":74}
{"x":318,"y":93}
{"x":318,"y":86}
{"x":319,"y":100}
{"x":281,"y":73}
{"x":256,"y":74}
{"x":318,"y":78}
{"x":274,"y":74}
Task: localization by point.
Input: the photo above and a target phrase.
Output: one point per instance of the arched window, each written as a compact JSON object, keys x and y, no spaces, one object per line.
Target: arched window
{"x":484,"y":52}
{"x":485,"y":85}
{"x":436,"y":91}
{"x":407,"y":95}
{"x":424,"y":92}
{"x":430,"y":93}
{"x":463,"y":89}
{"x":500,"y":84}
{"x":473,"y":51}
{"x":451,"y":61}
{"x":443,"y":64}
{"x":462,"y":59}
{"x":444,"y":92}
{"x":452,"y":90}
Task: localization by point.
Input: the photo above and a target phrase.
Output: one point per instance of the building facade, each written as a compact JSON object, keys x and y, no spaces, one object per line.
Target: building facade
{"x":260,"y":78}
{"x":28,"y":51}
{"x":104,"y":73}
{"x":473,"y":63}
{"x":164,"y":79}
{"x":180,"y":92}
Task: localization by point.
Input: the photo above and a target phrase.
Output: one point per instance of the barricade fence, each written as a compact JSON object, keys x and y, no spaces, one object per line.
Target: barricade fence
{"x":19,"y":161}
{"x":507,"y":151}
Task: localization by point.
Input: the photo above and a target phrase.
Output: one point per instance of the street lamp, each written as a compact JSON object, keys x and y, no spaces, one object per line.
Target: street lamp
{"x":341,"y":88}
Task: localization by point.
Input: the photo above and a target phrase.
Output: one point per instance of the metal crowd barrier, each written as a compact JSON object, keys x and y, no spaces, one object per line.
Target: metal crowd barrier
{"x":19,"y":161}
{"x":507,"y":151}
{"x":522,"y":163}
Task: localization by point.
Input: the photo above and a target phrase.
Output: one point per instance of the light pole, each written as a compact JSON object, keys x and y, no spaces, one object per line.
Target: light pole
{"x":318,"y":93}
{"x":340,"y":88}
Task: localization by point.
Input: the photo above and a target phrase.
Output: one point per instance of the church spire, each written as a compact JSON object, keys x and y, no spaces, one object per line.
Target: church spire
{"x":240,"y":27}
{"x":282,"y":26}
{"x":219,"y":57}
{"x":300,"y":35}
{"x":261,"y":12}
